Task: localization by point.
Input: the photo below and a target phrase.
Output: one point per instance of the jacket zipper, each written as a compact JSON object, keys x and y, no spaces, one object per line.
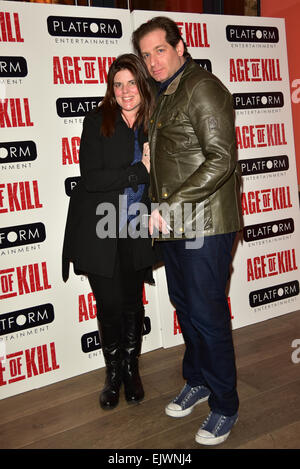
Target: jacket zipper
{"x":154,"y":145}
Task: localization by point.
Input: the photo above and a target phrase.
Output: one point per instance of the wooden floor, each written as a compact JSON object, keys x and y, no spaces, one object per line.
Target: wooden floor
{"x":66,"y":415}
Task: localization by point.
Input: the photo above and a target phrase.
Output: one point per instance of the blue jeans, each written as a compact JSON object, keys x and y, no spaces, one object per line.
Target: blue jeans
{"x":197,"y":281}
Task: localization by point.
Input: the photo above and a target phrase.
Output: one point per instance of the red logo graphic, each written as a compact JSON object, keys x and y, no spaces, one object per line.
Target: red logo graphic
{"x":145,"y":301}
{"x":70,"y":150}
{"x":10,"y":27}
{"x":23,"y":280}
{"x":176,"y":325}
{"x":81,"y":70}
{"x":87,"y":307}
{"x":266,"y":200}
{"x":254,"y":70}
{"x":28,"y":363}
{"x":15,"y":112}
{"x":229,"y":306}
{"x":270,"y":265}
{"x":195,"y":34}
{"x":260,"y":135}
{"x":17,"y":196}
{"x":177,"y":328}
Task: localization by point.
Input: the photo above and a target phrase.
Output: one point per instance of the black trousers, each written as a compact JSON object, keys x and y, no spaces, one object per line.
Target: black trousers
{"x":123,"y":292}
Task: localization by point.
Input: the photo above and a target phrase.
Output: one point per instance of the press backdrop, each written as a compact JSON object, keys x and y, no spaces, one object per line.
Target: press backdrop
{"x":53,"y":68}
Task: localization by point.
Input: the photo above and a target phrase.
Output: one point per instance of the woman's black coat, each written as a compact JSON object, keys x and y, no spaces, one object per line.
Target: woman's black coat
{"x":106,"y":170}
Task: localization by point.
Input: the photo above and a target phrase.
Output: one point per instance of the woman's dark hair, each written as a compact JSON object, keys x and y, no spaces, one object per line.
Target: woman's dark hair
{"x":171,"y":29}
{"x":109,"y":105}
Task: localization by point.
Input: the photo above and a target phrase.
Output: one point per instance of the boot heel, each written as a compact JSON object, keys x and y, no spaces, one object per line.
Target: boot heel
{"x":133,"y":332}
{"x":111,"y":349}
{"x":134,"y":391}
{"x":109,"y":396}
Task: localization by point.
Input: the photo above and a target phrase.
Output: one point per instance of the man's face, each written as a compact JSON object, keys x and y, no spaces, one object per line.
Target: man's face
{"x":161,"y":58}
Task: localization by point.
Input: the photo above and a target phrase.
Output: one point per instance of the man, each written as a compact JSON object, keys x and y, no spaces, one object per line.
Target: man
{"x":193,"y":163}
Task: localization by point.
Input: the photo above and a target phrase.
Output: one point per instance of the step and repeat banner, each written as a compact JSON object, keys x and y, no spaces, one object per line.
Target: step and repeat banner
{"x":53,"y":68}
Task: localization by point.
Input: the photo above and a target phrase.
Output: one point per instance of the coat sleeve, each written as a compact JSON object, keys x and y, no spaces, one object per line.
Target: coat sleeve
{"x":212,"y":118}
{"x":95,"y":177}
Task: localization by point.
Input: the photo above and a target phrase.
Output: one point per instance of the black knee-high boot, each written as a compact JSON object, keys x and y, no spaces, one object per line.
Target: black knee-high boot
{"x":132,"y":342}
{"x":111,"y":343}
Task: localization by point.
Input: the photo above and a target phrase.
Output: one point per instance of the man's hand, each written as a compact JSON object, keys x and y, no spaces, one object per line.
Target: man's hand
{"x":157,"y":221}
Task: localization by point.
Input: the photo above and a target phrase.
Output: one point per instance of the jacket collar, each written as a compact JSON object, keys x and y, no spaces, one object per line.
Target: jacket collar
{"x":165,"y":84}
{"x":175,"y":82}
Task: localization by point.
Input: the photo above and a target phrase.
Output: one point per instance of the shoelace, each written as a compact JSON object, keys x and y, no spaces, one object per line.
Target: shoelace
{"x":206,"y":420}
{"x":218,"y":425}
{"x":189,"y":394}
{"x":181,"y":392}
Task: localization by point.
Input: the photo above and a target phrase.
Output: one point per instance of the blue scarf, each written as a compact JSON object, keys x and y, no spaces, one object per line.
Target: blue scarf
{"x":132,"y":197}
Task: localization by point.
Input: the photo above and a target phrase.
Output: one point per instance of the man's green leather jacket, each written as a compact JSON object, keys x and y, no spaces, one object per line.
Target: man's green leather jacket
{"x":193,"y":155}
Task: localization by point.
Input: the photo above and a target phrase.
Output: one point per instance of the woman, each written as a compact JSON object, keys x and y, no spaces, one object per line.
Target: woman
{"x":114,"y":163}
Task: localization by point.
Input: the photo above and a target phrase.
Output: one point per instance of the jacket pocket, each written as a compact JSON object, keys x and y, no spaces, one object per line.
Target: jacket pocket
{"x":172,"y":134}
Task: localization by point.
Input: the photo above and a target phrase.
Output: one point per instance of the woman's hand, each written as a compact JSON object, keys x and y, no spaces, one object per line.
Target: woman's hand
{"x":146,"y":156}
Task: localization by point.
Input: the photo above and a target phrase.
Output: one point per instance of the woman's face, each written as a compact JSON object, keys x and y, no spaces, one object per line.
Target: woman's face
{"x":126,"y":91}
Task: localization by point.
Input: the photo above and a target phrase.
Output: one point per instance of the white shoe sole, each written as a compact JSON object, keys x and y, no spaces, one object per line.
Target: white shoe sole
{"x":185,"y":412}
{"x":202,"y":440}
{"x":211,"y":440}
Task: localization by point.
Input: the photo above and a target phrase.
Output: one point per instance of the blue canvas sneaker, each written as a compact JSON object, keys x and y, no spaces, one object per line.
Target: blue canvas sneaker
{"x":215,"y":429}
{"x":184,"y":403}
